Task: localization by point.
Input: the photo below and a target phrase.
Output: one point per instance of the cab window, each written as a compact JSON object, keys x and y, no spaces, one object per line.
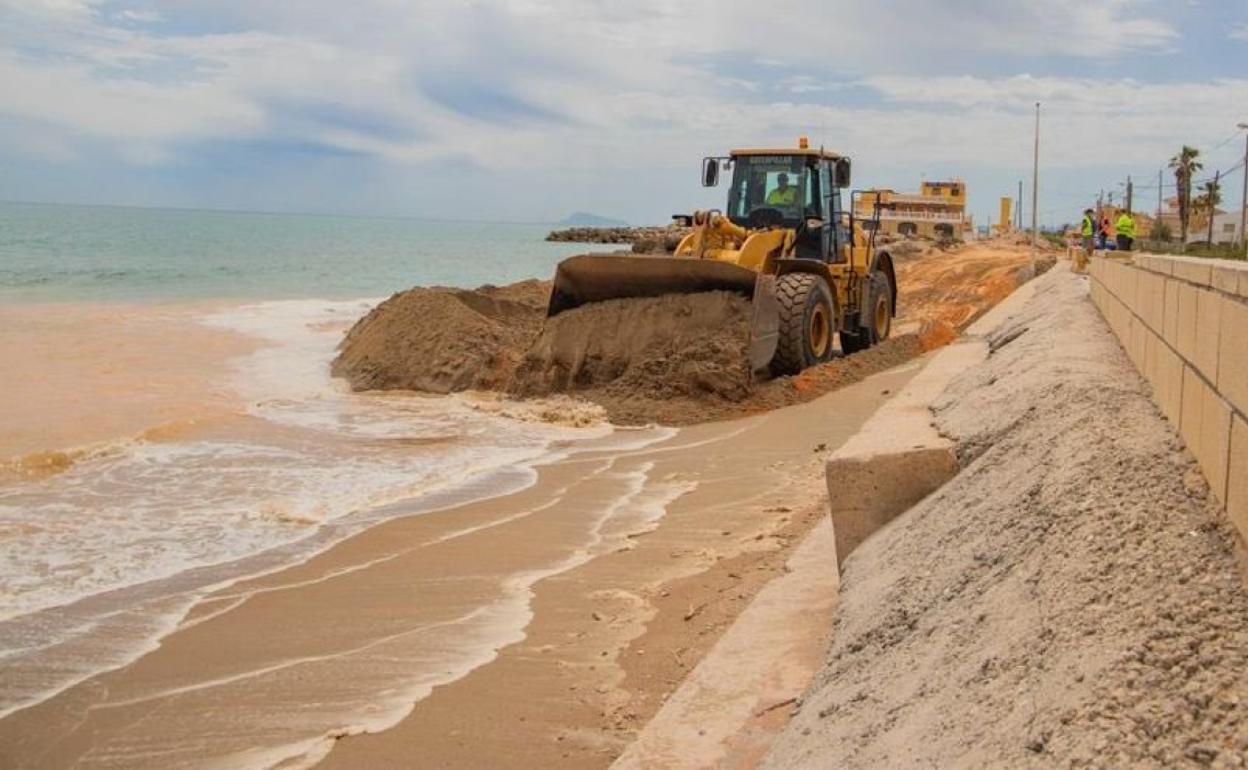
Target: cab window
{"x":779,"y":182}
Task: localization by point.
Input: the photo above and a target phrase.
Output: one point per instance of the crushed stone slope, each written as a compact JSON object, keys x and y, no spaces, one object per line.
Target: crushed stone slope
{"x":1070,"y":599}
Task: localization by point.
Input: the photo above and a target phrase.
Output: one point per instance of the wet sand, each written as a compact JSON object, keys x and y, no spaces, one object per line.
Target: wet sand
{"x":542,"y":627}
{"x":76,"y":376}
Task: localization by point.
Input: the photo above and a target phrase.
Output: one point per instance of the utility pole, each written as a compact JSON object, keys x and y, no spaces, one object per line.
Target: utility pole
{"x":1130,"y":190}
{"x":1243,"y":201}
{"x":1035,"y":189}
{"x":1018,"y":212}
{"x":1159,"y":173}
{"x":1216,"y":175}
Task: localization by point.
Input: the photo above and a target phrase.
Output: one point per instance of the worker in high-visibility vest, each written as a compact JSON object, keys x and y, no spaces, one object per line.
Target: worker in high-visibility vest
{"x":1088,"y":231}
{"x":1125,"y":230}
{"x":783,"y":195}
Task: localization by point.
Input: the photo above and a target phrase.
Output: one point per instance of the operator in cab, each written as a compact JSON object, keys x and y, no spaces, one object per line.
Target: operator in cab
{"x":784,"y":195}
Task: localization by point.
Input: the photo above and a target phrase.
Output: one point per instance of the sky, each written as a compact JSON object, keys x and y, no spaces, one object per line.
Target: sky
{"x":531,"y":109}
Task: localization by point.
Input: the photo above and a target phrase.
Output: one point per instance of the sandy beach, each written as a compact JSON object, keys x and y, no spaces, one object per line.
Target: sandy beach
{"x":643,"y":550}
{"x":290,"y":573}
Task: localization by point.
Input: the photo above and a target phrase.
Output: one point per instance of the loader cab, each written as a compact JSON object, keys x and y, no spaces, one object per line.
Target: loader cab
{"x":799,"y":191}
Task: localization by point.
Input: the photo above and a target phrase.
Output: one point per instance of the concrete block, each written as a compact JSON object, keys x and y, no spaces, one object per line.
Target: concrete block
{"x":1143,"y":296}
{"x":1215,"y":441}
{"x":1189,"y":413}
{"x":1237,"y":479}
{"x":1162,"y":264}
{"x":1168,"y":387}
{"x":1150,"y":367}
{"x":1226,"y":276}
{"x":1208,"y":327}
{"x":1130,"y":287}
{"x":1233,"y":353}
{"x":1186,"y":333}
{"x":1114,"y":272}
{"x":1156,"y":303}
{"x":1194,"y":270}
{"x":865,"y":493}
{"x":1170,"y":321}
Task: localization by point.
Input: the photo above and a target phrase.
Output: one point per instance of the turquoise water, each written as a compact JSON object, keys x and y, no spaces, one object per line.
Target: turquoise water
{"x":106,"y":253}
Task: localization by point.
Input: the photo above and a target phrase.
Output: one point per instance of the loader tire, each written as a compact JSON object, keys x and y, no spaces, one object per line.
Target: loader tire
{"x":879,"y":317}
{"x":807,"y":321}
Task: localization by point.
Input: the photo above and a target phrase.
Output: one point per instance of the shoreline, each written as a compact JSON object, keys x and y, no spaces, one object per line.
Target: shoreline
{"x":276,"y":620}
{"x":660,"y":501}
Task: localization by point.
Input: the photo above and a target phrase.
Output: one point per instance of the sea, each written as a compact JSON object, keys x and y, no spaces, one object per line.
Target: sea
{"x":168,"y":423}
{"x":54,"y":253}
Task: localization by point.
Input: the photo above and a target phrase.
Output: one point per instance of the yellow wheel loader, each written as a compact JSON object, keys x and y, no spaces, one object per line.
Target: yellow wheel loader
{"x":788,"y":240}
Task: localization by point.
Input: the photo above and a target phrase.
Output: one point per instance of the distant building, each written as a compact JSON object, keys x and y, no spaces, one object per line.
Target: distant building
{"x":938,"y":210}
{"x":1225,"y":228}
{"x":1225,"y":224}
{"x":1005,"y":218}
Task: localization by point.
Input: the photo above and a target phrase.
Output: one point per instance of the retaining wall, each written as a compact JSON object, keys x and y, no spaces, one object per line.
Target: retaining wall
{"x":1184,"y":323}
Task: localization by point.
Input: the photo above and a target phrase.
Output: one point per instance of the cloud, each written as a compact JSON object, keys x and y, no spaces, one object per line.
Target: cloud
{"x":561,"y":91}
{"x":1239,"y":32}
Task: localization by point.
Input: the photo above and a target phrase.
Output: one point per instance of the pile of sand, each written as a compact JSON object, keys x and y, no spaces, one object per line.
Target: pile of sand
{"x":674,"y":360}
{"x":441,"y":340}
{"x":663,"y":358}
{"x":1068,"y":600}
{"x":648,"y":349}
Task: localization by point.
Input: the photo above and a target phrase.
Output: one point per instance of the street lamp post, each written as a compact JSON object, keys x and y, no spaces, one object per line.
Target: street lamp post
{"x":1243,"y":201}
{"x":1035,"y":181}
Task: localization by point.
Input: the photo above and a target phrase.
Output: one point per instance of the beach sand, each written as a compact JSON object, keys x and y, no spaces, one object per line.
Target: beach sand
{"x":539,"y":627}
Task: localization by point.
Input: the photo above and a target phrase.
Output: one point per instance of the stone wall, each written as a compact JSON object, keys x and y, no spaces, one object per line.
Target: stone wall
{"x":1184,"y":323}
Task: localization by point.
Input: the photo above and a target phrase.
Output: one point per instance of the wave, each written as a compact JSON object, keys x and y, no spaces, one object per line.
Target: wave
{"x":34,"y":466}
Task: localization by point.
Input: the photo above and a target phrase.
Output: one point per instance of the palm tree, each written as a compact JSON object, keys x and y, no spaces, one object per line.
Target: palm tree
{"x":1210,"y":196}
{"x":1208,"y":201}
{"x":1185,"y":167}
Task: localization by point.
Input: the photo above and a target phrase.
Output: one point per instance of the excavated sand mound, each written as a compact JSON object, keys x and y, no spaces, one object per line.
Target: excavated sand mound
{"x":653,"y":348}
{"x":442,"y":340}
{"x":675,"y":360}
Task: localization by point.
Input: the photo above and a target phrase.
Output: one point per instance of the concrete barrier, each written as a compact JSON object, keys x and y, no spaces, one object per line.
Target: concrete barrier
{"x":898,"y":457}
{"x":1184,"y":323}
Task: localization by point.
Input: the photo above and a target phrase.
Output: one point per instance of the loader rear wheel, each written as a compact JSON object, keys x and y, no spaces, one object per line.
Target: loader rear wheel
{"x":806,"y":322}
{"x":879,"y":317}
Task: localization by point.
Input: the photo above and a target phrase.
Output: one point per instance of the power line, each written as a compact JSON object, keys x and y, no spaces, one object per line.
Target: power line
{"x":1226,"y":141}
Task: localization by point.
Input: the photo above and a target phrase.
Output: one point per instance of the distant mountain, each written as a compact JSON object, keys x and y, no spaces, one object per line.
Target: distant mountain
{"x":584,"y":219}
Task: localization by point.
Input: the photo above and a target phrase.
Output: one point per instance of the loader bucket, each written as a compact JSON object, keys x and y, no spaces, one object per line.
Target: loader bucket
{"x":598,"y":277}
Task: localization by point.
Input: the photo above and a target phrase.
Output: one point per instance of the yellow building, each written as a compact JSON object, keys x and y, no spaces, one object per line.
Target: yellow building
{"x":1005,"y":219}
{"x":938,"y":210}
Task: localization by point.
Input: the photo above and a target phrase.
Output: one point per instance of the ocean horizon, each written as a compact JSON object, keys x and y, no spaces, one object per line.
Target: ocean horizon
{"x":53,"y":252}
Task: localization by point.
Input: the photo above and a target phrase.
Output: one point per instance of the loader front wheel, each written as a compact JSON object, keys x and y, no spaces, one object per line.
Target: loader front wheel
{"x":806,"y":322}
{"x":879,"y":317}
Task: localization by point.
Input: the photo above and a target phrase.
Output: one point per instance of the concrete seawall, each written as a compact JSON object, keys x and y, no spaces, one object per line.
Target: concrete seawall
{"x":1183,"y":321}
